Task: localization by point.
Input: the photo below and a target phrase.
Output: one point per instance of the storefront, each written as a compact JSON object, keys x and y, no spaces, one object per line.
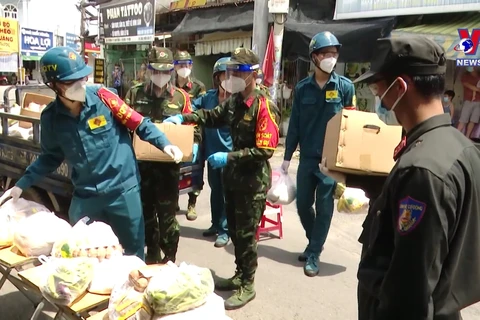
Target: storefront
{"x":127,"y":28}
{"x":34,"y":43}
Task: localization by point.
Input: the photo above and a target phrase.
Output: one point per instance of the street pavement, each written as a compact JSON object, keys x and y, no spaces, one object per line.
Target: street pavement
{"x":283,"y":291}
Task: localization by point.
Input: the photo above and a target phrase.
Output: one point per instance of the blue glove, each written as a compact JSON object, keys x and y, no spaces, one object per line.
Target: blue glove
{"x":176,"y":119}
{"x":218,"y":160}
{"x":195,"y":152}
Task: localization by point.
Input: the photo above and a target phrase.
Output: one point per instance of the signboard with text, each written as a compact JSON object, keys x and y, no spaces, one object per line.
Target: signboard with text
{"x":358,"y":9}
{"x":130,"y":22}
{"x":186,"y":4}
{"x":8,"y":35}
{"x":35,"y":42}
{"x":99,"y":73}
{"x":73,"y":41}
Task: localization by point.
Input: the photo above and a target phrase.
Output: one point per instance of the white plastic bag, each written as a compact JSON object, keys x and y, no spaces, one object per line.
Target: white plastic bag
{"x":108,"y":272}
{"x":213,"y":309}
{"x":127,"y":303}
{"x":66,"y":279}
{"x":283,"y":190}
{"x":178,"y":289}
{"x":353,"y":200}
{"x":94,"y":240}
{"x":16,"y":131}
{"x":12,"y":213}
{"x":34,"y":236}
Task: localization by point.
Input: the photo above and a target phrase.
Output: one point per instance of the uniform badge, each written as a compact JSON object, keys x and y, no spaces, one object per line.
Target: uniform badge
{"x":173,"y":106}
{"x":263,"y":125}
{"x":162,"y":54}
{"x":97,"y":122}
{"x":72,"y":56}
{"x":247,"y":117}
{"x":410,"y":212}
{"x":331,"y":94}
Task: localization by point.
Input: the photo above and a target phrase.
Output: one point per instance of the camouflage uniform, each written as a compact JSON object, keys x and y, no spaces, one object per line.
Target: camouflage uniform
{"x":247,"y":175}
{"x":159,"y":184}
{"x":195,"y":89}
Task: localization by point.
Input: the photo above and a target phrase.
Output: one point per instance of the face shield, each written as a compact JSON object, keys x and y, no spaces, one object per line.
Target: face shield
{"x":183,"y":68}
{"x":238,"y":77}
{"x":159,"y":78}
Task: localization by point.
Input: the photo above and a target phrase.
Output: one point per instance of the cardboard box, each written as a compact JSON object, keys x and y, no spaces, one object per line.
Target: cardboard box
{"x":179,"y":135}
{"x":27,"y":99}
{"x":360,"y":143}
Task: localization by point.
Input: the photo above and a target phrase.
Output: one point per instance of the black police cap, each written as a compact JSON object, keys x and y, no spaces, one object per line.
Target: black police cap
{"x":412,"y":55}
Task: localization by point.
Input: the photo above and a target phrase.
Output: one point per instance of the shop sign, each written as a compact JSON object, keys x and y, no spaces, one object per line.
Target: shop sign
{"x":358,"y":9}
{"x":73,"y":41}
{"x":36,"y":42}
{"x":185,"y":4}
{"x":130,"y":22}
{"x":99,"y":75}
{"x":92,"y":48}
{"x":8,"y":35}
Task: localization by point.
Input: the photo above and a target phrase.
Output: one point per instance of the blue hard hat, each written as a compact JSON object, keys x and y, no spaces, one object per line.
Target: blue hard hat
{"x":322,"y":40}
{"x":63,"y":64}
{"x":221,"y":65}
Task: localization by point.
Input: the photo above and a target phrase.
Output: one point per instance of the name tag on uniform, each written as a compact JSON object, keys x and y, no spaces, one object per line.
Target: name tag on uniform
{"x":331,"y":94}
{"x":173,"y":106}
{"x":97,"y":122}
{"x":247,"y":117}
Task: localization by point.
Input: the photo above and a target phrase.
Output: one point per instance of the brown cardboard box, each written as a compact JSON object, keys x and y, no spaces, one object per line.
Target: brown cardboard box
{"x":359,"y":142}
{"x":38,"y":99}
{"x":179,"y":135}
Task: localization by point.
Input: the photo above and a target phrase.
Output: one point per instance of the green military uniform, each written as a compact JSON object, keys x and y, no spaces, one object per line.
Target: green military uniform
{"x":247,"y":174}
{"x":195,"y":89}
{"x":159,"y":184}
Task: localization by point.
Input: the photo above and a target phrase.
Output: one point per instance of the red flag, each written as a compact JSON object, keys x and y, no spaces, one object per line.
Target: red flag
{"x":269,"y":61}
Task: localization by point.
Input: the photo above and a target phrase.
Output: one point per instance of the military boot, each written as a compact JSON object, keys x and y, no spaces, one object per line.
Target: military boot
{"x":241,"y":297}
{"x":233,"y":283}
{"x":153,"y":255}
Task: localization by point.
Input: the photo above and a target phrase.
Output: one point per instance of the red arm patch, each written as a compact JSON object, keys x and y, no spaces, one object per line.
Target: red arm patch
{"x":187,"y":107}
{"x":120,"y":110}
{"x":267,"y":133}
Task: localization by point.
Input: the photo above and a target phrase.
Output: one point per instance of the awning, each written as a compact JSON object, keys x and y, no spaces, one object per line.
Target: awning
{"x":357,"y":37}
{"x":222,"y":42}
{"x":444,"y":31}
{"x":225,"y":18}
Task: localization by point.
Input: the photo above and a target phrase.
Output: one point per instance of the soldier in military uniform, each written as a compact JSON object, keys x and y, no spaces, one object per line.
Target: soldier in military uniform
{"x":159,"y":99}
{"x":195,"y":88}
{"x":252,"y":119}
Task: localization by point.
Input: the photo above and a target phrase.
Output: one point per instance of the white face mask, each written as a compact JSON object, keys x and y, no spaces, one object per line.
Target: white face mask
{"x":327,"y":64}
{"x":184,"y":72}
{"x":258,"y":81}
{"x":77,"y":91}
{"x":160,"y":80}
{"x":234,"y":84}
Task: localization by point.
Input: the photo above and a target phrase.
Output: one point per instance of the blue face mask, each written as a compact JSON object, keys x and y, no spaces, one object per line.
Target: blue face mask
{"x":387,"y":116}
{"x":445,"y":99}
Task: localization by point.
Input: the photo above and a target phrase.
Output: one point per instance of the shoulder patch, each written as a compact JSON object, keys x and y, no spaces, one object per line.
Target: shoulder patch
{"x":410,"y":213}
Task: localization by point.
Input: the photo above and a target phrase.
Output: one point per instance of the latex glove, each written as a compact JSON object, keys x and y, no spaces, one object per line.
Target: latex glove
{"x":13,"y":193}
{"x":218,"y":160}
{"x":176,"y":119}
{"x":285,"y":166}
{"x":337,"y":176}
{"x":195,"y":152}
{"x":174,"y":152}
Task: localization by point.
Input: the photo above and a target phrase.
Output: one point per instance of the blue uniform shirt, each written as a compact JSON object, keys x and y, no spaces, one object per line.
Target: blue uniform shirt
{"x":99,"y":152}
{"x":312,"y":108}
{"x":216,"y":139}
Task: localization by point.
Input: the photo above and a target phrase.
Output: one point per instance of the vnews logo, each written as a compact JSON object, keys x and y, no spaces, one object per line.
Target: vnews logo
{"x":468,"y":45}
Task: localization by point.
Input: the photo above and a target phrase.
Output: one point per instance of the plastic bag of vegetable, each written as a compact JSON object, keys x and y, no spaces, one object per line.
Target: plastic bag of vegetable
{"x":213,"y":309}
{"x":108,"y":272}
{"x":178,"y":289}
{"x":127,"y":303}
{"x":11,"y":214}
{"x":95,"y":240}
{"x":66,"y":279}
{"x":353,"y":200}
{"x":283,"y":190}
{"x":35,"y":235}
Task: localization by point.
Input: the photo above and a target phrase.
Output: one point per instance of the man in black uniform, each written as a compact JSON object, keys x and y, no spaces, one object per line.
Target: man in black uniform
{"x":421,"y":255}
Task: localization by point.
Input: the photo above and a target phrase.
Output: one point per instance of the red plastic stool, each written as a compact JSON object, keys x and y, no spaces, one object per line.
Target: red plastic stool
{"x":272,"y":218}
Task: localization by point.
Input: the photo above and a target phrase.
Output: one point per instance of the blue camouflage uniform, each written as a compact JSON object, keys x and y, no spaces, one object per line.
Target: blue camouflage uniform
{"x":105,"y":174}
{"x":215,"y":140}
{"x":312,"y":108}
